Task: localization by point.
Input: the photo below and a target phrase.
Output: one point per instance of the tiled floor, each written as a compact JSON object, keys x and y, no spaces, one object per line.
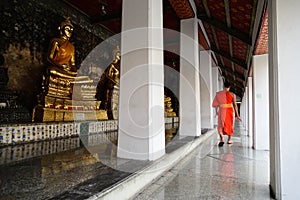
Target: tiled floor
{"x":230,"y":172}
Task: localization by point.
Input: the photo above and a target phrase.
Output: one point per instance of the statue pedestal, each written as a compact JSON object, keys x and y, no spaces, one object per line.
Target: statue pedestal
{"x":63,"y":110}
{"x":59,"y":115}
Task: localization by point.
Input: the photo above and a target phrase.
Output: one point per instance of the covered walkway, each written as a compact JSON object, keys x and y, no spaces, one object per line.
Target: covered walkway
{"x":230,"y":172}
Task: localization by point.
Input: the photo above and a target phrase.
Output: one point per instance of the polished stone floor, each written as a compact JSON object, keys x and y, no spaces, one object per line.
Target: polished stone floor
{"x":231,"y":172}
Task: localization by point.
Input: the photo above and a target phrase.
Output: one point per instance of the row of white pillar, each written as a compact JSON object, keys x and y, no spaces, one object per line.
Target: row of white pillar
{"x":254,"y":107}
{"x":141,"y":122}
{"x":272,"y":114}
{"x":141,"y":101}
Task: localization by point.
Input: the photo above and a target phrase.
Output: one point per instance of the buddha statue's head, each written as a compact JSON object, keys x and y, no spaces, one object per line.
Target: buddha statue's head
{"x":66,"y":28}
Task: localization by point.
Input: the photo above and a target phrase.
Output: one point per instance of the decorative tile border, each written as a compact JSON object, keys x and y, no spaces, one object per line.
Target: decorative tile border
{"x":24,"y":133}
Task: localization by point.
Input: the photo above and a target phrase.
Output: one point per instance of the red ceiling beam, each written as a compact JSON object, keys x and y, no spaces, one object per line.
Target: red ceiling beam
{"x":226,"y":55}
{"x":228,"y":70}
{"x":223,"y":27}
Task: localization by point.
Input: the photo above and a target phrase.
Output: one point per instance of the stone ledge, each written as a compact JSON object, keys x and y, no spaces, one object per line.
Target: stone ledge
{"x":130,"y":186}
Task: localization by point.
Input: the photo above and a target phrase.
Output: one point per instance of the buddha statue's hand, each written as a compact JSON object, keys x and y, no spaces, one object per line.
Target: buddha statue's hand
{"x":66,"y":67}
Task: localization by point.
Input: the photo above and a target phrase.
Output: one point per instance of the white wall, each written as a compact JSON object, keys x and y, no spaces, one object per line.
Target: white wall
{"x":261,"y":102}
{"x":284,"y":32}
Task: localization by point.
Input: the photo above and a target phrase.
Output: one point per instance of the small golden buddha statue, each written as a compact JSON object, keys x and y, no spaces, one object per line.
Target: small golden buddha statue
{"x":112,"y":75}
{"x":168,"y":107}
{"x":113,"y":72}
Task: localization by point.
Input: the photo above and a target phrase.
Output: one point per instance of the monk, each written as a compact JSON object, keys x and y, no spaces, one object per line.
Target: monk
{"x":225,"y":103}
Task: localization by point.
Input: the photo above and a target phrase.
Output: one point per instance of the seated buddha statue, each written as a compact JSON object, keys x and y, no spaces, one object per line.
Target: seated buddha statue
{"x":62,"y":71}
{"x":61,"y":52}
{"x":60,"y":80}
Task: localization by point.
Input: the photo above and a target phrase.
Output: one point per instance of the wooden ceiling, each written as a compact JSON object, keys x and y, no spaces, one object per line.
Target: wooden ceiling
{"x":236,"y":30}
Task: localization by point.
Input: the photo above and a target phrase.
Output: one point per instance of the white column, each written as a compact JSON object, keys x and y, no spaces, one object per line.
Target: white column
{"x":215,"y":82}
{"x":189,"y":97}
{"x":246,"y":108}
{"x":250,"y":107}
{"x":242,"y":111}
{"x":261,"y":100}
{"x":206,"y":94}
{"x":284,"y":97}
{"x":221,"y":83}
{"x":141,"y":104}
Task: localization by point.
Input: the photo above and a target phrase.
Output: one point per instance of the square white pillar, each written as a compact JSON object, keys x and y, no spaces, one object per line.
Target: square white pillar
{"x":261,"y":100}
{"x":250,"y":107}
{"x":189,"y":90}
{"x":206,"y":94}
{"x":141,"y":101}
{"x":284,"y":97}
{"x":246,"y":108}
{"x":242,"y":110}
{"x":215,"y":84}
{"x":220,"y":83}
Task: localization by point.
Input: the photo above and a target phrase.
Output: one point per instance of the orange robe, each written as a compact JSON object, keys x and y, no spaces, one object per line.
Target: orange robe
{"x":65,"y":52}
{"x":223,"y":100}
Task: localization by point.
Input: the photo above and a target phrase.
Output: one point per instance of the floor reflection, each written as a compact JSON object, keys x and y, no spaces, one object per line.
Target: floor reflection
{"x":17,"y":153}
{"x":210,"y":172}
{"x":64,"y":168}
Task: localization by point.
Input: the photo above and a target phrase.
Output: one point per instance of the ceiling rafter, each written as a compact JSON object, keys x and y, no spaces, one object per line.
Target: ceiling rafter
{"x":232,"y":72}
{"x":228,"y":21}
{"x":234,"y":84}
{"x":223,"y":27}
{"x":226,"y":55}
{"x":235,"y":88}
{"x":238,"y":91}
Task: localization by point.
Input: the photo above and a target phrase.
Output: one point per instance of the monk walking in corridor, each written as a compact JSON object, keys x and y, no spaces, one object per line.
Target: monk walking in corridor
{"x":225,"y":103}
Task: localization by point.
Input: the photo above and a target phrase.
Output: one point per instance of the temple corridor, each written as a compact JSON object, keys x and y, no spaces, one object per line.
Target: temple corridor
{"x":117,"y":99}
{"x":230,"y":172}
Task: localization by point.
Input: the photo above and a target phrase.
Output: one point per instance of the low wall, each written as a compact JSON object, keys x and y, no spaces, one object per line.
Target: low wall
{"x":24,"y":133}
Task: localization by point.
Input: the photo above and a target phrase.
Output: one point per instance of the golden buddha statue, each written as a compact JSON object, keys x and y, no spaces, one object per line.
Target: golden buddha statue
{"x":112,"y":76}
{"x":113,"y":72}
{"x":57,"y":102}
{"x":168,"y":107}
{"x":61,"y":52}
{"x":61,"y":56}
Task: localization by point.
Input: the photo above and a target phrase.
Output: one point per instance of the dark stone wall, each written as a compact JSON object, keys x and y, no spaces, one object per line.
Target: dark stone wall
{"x":27,"y":27}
